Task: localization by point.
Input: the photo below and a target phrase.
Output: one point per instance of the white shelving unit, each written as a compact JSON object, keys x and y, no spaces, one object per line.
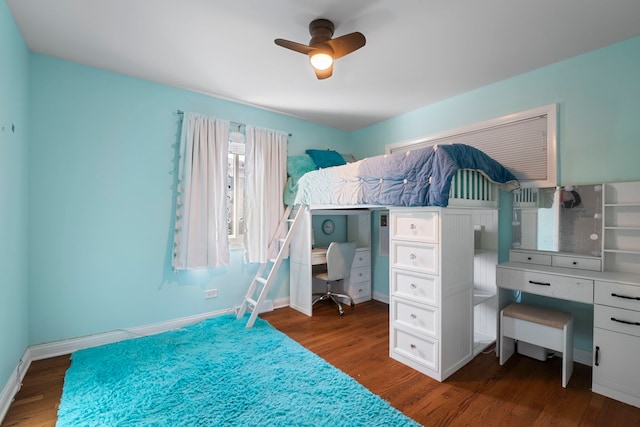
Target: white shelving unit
{"x":616,"y":332}
{"x":621,"y":227}
{"x":485,"y":300}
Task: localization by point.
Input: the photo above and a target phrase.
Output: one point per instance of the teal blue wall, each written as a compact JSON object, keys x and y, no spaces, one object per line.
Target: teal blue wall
{"x":14,"y":91}
{"x":103,"y":152}
{"x":598,"y":98}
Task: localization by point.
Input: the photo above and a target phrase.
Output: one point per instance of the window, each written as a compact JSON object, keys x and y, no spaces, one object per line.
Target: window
{"x":235,"y":190}
{"x":525,"y":143}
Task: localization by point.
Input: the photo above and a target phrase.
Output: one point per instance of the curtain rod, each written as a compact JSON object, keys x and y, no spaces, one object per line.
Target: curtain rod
{"x":180,"y":112}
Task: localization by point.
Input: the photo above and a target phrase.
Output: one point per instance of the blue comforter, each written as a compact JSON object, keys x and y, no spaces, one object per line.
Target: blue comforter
{"x":415,"y":178}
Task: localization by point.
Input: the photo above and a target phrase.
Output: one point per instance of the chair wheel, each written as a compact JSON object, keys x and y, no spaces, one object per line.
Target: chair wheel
{"x":353,"y":304}
{"x":342,"y":313}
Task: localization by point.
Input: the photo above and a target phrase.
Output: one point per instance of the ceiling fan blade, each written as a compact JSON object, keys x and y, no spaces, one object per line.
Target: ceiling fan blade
{"x":298,"y":47}
{"x":324,"y":74}
{"x":346,"y":44}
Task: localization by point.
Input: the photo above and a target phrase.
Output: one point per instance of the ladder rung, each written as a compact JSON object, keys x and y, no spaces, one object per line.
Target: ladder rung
{"x":270,"y":270}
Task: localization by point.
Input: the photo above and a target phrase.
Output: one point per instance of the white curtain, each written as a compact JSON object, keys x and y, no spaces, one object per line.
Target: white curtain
{"x":265,"y":180}
{"x":200,"y":239}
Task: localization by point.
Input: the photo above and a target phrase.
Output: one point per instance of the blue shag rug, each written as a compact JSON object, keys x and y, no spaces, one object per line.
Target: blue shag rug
{"x":215,"y":373}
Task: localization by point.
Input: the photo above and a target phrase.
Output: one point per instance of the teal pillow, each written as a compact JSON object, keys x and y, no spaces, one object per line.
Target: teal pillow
{"x":326,"y":158}
{"x":299,"y":165}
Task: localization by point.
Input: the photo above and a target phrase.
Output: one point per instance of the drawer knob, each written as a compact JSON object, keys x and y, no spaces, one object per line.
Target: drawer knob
{"x":575,"y":263}
{"x":597,"y":361}
{"x":413,"y":316}
{"x":625,"y":297}
{"x":413,"y":257}
{"x":413,"y":286}
{"x":528,"y":258}
{"x":414,"y":229}
{"x":413,"y":346}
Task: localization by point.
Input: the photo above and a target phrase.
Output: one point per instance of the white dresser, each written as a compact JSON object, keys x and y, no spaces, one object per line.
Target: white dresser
{"x":431,"y":289}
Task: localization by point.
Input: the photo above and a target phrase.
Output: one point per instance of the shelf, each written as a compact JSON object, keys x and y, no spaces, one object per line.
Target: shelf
{"x":615,"y":227}
{"x":623,"y":205}
{"x":481,"y":296}
{"x":484,"y":251}
{"x":622,"y":251}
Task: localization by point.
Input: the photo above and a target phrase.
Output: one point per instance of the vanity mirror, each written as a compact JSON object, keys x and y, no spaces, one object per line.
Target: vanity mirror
{"x":558,"y":219}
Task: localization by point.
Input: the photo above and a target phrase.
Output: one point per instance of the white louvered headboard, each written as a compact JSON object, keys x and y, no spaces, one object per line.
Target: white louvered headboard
{"x":471,"y":188}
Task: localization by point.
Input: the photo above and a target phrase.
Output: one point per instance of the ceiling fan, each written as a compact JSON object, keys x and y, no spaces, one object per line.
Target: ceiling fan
{"x":322,"y":49}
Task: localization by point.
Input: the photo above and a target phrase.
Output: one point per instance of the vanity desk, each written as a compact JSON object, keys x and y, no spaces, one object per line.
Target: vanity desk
{"x":615,"y":297}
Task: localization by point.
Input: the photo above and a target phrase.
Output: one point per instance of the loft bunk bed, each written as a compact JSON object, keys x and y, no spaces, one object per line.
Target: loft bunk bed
{"x":443,"y":176}
{"x":324,"y":181}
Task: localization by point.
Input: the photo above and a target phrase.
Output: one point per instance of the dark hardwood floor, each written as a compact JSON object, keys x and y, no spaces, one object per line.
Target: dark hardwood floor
{"x":523,"y":392}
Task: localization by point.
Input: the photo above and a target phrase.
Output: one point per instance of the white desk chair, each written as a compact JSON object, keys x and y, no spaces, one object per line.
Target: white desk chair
{"x":339,"y":259}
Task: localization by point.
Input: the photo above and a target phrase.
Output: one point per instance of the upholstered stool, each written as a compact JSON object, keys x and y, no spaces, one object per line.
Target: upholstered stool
{"x":543,"y":327}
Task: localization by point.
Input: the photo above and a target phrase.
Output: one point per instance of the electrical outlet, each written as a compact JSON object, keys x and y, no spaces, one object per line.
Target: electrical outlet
{"x":211,"y":293}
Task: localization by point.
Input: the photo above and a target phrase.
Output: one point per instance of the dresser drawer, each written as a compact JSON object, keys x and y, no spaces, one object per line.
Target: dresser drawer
{"x":530,"y":258}
{"x":422,"y":318}
{"x":421,"y":349}
{"x":616,"y":320}
{"x":593,"y":264}
{"x":420,"y":226}
{"x":617,"y":295}
{"x":360,"y":291}
{"x":362,"y":258}
{"x":360,"y":274}
{"x":551,"y":285}
{"x":415,"y":256}
{"x":423,"y":288}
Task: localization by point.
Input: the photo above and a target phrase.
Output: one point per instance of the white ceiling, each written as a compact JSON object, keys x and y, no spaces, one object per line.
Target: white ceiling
{"x":418,"y":52}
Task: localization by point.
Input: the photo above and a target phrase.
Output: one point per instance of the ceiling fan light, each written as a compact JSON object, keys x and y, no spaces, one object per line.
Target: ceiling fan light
{"x":321,"y":60}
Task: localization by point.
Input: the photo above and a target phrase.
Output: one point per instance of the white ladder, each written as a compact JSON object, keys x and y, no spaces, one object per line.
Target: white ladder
{"x":271,"y":267}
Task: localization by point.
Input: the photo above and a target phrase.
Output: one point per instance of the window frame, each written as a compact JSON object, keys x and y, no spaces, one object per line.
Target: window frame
{"x":549,"y":112}
{"x":236,"y":148}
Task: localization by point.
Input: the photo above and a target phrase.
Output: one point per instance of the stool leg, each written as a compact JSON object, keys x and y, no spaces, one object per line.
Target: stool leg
{"x":507,"y":345}
{"x":567,"y":354}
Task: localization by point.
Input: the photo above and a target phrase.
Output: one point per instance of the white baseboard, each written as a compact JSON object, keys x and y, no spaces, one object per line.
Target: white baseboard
{"x":280,"y":303}
{"x":14,"y":384}
{"x":269,"y":305}
{"x":381,"y":297}
{"x":58,"y":348}
{"x":583,"y":357}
